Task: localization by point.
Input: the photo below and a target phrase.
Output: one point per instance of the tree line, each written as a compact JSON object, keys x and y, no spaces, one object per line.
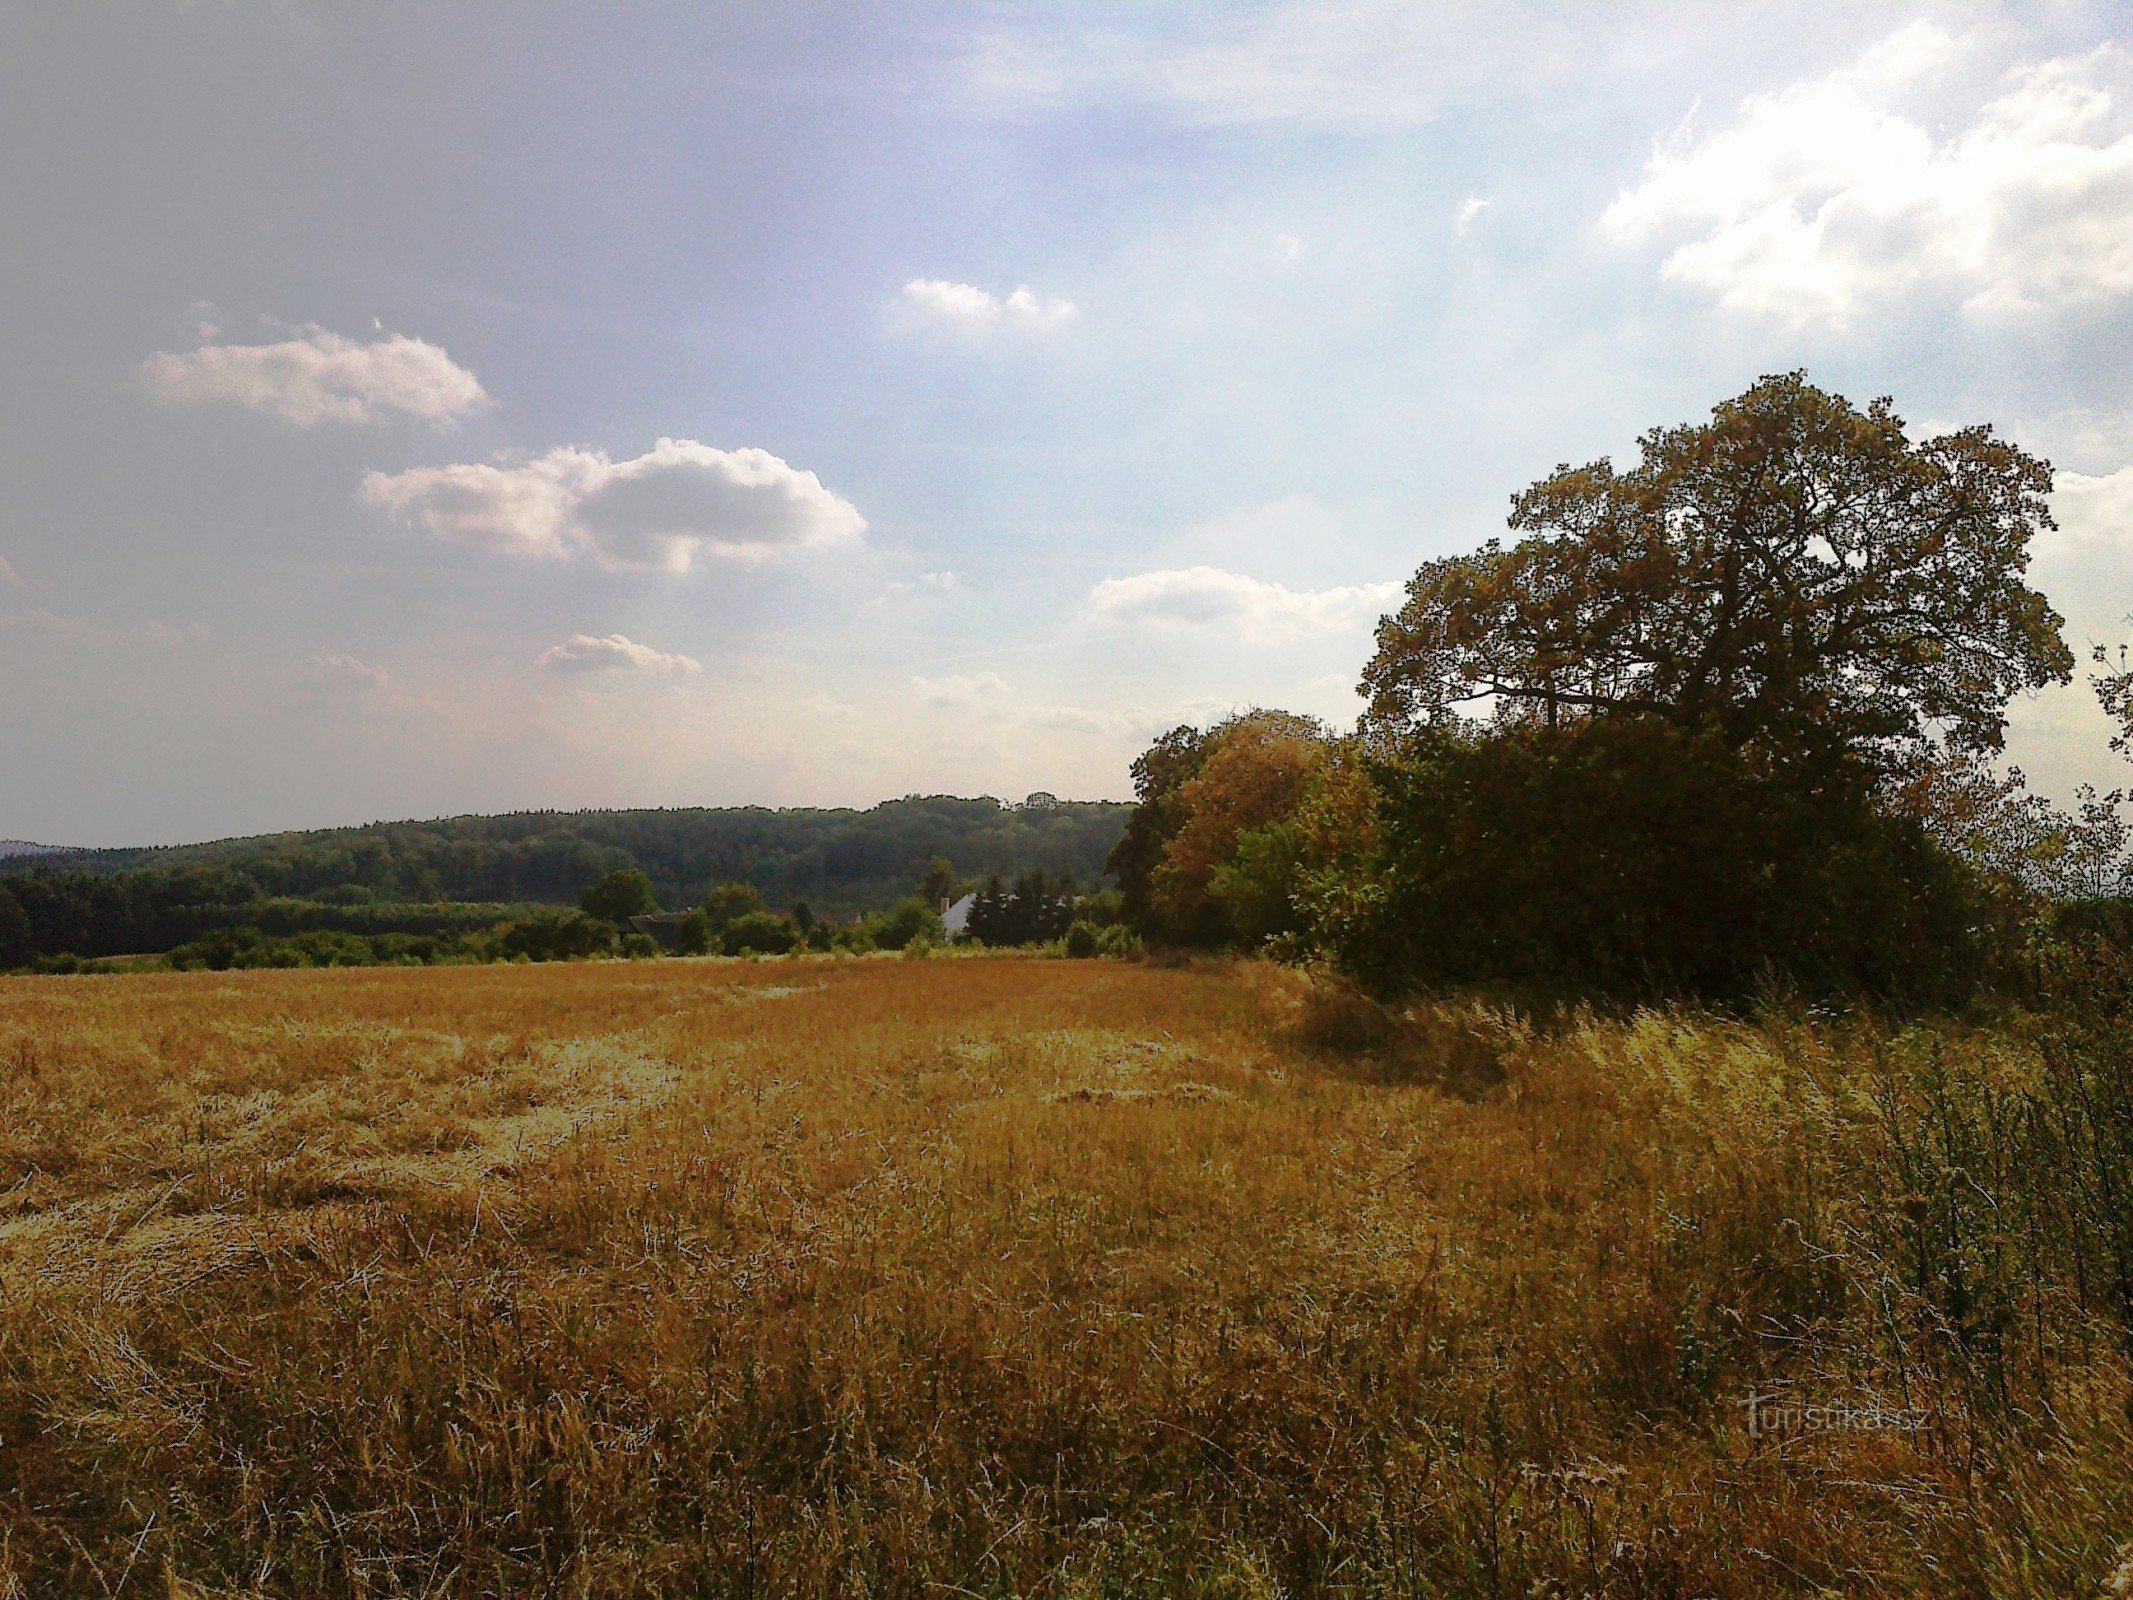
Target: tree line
{"x":843,"y":862}
{"x":1721,"y":720}
{"x":442,"y":890}
{"x":1725,"y":719}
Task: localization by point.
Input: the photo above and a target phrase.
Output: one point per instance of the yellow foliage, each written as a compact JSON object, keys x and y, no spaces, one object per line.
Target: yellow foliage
{"x":1256,"y":774}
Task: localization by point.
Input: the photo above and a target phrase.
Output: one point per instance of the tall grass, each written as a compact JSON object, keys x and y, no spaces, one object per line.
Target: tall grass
{"x":1002,"y":1277}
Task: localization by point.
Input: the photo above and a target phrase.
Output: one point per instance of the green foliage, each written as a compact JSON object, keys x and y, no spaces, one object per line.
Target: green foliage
{"x":1204,"y":859}
{"x":619,"y":896}
{"x":940,"y":884}
{"x":841,"y":862}
{"x":86,"y":915}
{"x":555,"y":936}
{"x":728,"y":902}
{"x":762,"y":933}
{"x":225,"y":948}
{"x":18,"y":945}
{"x":1630,"y":857}
{"x":900,"y":924}
{"x":693,"y":935}
{"x":1085,"y":940}
{"x":1160,"y":774}
{"x":1035,"y":909}
{"x":1118,"y":941}
{"x":1256,"y":889}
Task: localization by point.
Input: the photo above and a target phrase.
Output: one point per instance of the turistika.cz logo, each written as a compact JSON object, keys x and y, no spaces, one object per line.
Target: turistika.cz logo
{"x":1777,"y":1415}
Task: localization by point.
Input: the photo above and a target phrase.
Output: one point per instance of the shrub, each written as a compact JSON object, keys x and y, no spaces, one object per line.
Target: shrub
{"x":903,"y":922}
{"x":759,"y":933}
{"x":729,"y":902}
{"x":1630,"y":858}
{"x":692,"y":935}
{"x":1119,"y":942}
{"x":555,"y":936}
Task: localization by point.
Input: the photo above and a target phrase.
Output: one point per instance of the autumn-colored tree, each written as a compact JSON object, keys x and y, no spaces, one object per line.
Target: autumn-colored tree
{"x":1795,"y":574}
{"x":1253,"y":774}
{"x":1159,"y":774}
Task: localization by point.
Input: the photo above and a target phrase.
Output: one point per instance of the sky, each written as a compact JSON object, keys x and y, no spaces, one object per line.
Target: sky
{"x":416,"y":409}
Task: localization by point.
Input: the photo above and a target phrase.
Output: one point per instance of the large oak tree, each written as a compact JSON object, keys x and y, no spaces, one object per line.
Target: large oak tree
{"x":1796,"y":574}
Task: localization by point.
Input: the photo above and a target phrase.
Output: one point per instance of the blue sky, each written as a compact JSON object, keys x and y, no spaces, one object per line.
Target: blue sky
{"x":420,"y":409}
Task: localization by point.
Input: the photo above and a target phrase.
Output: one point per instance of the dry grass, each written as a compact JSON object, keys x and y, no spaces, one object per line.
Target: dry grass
{"x":1000,"y":1277}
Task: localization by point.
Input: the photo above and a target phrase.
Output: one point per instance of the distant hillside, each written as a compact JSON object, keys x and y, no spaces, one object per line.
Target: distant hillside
{"x":839,"y":861}
{"x":10,"y":848}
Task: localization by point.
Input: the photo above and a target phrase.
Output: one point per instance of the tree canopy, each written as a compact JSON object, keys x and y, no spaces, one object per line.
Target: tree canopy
{"x":619,"y":896}
{"x":1200,"y":794}
{"x":840,"y":862}
{"x":1795,"y":573}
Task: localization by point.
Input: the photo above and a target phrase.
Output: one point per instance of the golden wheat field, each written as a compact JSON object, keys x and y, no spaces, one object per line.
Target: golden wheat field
{"x":996,"y":1276}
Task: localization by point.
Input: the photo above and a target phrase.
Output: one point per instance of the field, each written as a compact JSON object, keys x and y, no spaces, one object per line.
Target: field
{"x":1004,"y":1276}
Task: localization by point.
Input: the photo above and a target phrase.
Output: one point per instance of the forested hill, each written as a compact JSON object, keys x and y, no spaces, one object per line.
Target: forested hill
{"x":840,"y":861}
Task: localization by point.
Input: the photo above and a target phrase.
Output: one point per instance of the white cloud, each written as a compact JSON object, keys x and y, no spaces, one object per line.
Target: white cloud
{"x":966,"y":307}
{"x":319,"y":377}
{"x":2083,"y":565}
{"x":1209,"y":599}
{"x":342,"y":673}
{"x":1824,"y":197}
{"x":1469,"y":209}
{"x":583,"y":652}
{"x":7,"y":573}
{"x":2092,"y":510}
{"x":659,"y":510}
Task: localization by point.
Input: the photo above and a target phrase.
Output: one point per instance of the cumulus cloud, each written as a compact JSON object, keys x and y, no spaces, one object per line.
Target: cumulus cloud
{"x":2093,"y":509}
{"x":1209,"y":599}
{"x":2083,"y":565}
{"x":1823,"y":198}
{"x":660,"y":510}
{"x":319,"y":377}
{"x":583,"y":652}
{"x":969,"y":309}
{"x":343,"y":673}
